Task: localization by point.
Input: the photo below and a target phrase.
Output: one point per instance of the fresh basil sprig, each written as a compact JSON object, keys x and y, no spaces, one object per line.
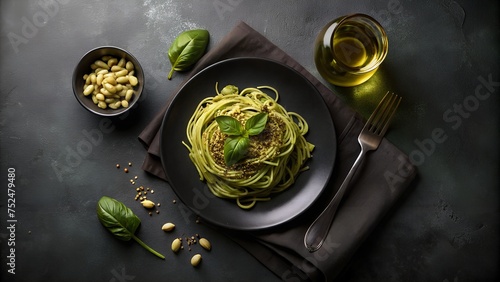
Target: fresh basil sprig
{"x":238,"y":141}
{"x":187,"y":49}
{"x":120,"y":221}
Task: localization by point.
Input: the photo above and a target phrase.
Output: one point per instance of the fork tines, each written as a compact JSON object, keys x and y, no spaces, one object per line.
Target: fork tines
{"x":380,"y":119}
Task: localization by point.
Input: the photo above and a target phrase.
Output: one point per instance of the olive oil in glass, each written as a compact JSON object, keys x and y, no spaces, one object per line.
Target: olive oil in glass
{"x":349,"y":50}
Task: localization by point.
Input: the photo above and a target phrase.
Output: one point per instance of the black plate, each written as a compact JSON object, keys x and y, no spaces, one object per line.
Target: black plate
{"x":296,"y":94}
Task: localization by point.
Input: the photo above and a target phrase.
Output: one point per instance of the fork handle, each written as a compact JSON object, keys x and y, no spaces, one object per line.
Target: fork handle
{"x":318,"y":230}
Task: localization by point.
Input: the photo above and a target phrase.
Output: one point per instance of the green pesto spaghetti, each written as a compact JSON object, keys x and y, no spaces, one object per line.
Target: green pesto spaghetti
{"x":274,"y":157}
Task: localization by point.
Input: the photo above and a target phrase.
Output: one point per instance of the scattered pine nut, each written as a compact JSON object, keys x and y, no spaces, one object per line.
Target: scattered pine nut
{"x":195,"y":260}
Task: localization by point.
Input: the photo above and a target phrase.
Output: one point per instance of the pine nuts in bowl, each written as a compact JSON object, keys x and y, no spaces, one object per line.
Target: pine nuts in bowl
{"x":108,"y":81}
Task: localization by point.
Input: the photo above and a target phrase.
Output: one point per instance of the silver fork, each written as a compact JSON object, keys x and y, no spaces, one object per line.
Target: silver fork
{"x":369,"y":139}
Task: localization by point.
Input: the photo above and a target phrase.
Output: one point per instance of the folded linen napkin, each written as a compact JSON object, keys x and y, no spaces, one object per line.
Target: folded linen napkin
{"x":381,"y":180}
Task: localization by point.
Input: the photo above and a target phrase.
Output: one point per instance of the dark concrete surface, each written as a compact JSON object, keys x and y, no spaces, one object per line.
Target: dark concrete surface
{"x":443,"y":59}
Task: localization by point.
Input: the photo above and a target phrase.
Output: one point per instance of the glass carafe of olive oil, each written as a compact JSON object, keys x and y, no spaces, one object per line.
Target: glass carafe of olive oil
{"x":349,"y":49}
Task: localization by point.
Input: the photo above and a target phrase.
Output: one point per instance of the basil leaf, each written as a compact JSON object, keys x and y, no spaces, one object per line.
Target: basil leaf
{"x":187,"y":49}
{"x":120,"y":221}
{"x":117,"y":218}
{"x":256,"y":124}
{"x":229,"y":125}
{"x":235,"y":149}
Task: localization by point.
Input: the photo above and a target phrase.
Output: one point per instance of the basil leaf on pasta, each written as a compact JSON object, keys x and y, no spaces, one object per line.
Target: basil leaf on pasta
{"x":235,"y":149}
{"x":229,"y":125}
{"x":256,"y":124}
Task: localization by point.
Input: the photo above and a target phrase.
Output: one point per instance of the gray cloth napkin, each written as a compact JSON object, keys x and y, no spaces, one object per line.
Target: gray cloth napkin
{"x":382,"y":179}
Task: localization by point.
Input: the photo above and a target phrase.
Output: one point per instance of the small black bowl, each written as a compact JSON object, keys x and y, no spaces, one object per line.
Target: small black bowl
{"x":83,"y":67}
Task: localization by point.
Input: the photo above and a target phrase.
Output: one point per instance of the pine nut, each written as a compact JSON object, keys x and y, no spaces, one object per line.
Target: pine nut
{"x":111,"y":80}
{"x":129,"y":94}
{"x":121,"y":73}
{"x":110,"y":88}
{"x":88,"y":90}
{"x":195,"y":260}
{"x":104,"y":91}
{"x":93,"y":78}
{"x":100,"y":97}
{"x":122,"y":79}
{"x":133,"y":80}
{"x":99,"y":79}
{"x":102,"y":71}
{"x":122,"y":62}
{"x":101,"y":64}
{"x":129,"y":66}
{"x":112,"y":62}
{"x":116,"y":68}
